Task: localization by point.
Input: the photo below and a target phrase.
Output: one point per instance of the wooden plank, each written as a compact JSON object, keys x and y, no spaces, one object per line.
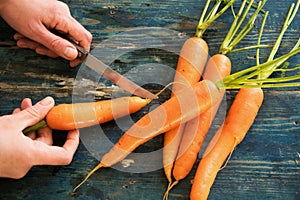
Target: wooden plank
{"x":264,"y":166}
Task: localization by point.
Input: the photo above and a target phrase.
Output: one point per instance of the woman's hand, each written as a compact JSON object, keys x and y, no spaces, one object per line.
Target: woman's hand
{"x":33,"y":20}
{"x":18,"y":153}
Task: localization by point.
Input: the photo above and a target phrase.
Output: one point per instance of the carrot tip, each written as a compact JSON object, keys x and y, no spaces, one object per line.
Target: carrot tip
{"x":170,"y":186}
{"x":100,"y":165}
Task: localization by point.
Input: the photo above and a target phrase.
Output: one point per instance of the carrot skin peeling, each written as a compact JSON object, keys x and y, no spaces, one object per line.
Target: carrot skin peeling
{"x":80,"y":115}
{"x":191,"y":62}
{"x":239,"y":119}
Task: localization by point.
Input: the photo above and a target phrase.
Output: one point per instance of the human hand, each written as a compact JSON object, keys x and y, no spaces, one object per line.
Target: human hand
{"x":18,"y":153}
{"x":33,"y":21}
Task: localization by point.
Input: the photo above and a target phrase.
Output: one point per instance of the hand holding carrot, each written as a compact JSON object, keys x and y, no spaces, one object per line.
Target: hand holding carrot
{"x":19,"y":153}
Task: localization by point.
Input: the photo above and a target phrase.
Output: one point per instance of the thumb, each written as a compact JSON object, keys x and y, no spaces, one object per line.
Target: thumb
{"x":34,"y":114}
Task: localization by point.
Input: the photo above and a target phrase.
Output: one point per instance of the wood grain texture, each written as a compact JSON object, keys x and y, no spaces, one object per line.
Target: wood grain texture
{"x":266,"y":165}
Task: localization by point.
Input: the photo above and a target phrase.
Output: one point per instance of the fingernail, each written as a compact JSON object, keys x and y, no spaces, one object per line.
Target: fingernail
{"x":70,"y":53}
{"x":40,"y":51}
{"x":20,"y":44}
{"x":46,"y":101}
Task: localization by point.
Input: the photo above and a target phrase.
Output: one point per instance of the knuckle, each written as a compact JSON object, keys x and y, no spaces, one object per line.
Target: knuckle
{"x":34,"y":112}
{"x":20,"y":174}
{"x":63,"y":5}
{"x":68,"y":159}
{"x":90,"y":37}
{"x":55,"y":44}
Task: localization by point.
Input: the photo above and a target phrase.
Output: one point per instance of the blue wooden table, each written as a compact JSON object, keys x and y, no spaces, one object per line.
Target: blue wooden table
{"x":266,"y":165}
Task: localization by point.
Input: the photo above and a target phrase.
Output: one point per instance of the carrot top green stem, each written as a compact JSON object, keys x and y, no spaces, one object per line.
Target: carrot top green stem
{"x":242,"y":78}
{"x":207,"y":19}
{"x":41,"y":124}
{"x":233,"y":37}
{"x":288,"y":20}
{"x":260,"y":36}
{"x":234,"y":27}
{"x":250,"y":47}
{"x":290,"y":16}
{"x":249,"y":25}
{"x":213,"y":11}
{"x":262,"y":10}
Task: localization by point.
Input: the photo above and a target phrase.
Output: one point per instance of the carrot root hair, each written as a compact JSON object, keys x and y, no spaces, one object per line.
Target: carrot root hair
{"x":229,"y":156}
{"x":100,"y":165}
{"x":166,"y":87}
{"x":170,"y":186}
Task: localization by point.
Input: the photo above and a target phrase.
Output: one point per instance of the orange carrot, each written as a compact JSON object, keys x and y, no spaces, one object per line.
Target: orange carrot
{"x":80,"y":115}
{"x":191,"y":62}
{"x":196,"y":129}
{"x":186,"y":105}
{"x":218,"y":67}
{"x":239,"y":119}
{"x":192,"y":59}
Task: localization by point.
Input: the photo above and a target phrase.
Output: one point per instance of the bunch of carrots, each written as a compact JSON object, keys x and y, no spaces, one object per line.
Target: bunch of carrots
{"x":197,"y":98}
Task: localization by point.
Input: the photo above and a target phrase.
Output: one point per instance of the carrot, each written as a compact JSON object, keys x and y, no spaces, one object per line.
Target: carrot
{"x":180,"y":108}
{"x":191,"y":62}
{"x":238,"y":121}
{"x":196,"y":129}
{"x":80,"y":115}
{"x":241,"y":115}
{"x":219,"y":66}
{"x":190,"y":65}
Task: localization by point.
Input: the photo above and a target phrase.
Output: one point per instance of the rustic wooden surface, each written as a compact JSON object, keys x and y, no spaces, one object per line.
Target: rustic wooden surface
{"x":266,"y":165}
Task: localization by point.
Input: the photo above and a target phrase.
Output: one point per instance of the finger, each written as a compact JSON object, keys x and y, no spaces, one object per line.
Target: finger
{"x":18,"y":36}
{"x":45,"y":51}
{"x":53,"y":155}
{"x":79,"y":34}
{"x":26,"y":103}
{"x":27,"y":43}
{"x":16,"y":110}
{"x":73,"y":29}
{"x":39,"y":49}
{"x":32,"y":135}
{"x":34,"y":114}
{"x":74,"y":63}
{"x":45,"y":135}
{"x":57,"y":44}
